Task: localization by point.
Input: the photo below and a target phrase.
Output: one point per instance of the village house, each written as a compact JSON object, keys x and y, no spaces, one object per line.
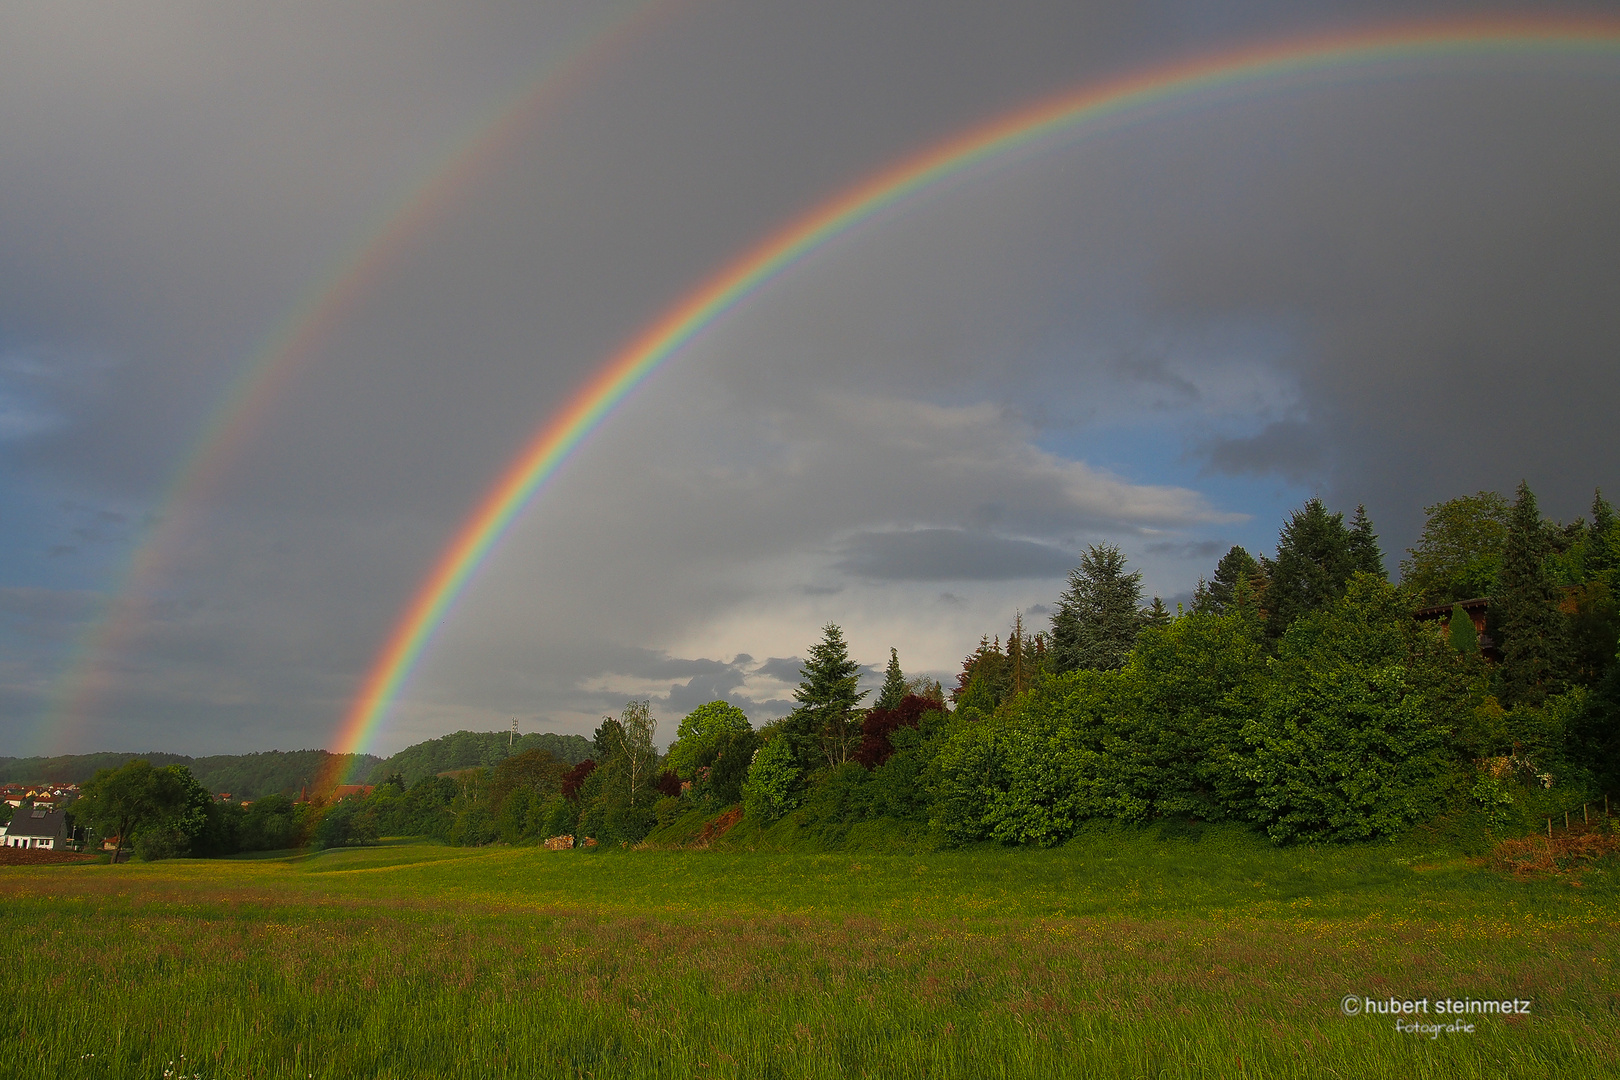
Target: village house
{"x":36,"y":828}
{"x":1439,"y":615}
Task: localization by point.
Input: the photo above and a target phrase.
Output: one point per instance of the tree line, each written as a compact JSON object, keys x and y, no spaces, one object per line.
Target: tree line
{"x":1296,"y":693}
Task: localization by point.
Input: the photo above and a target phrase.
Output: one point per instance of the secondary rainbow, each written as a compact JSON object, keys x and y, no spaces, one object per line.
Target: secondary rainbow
{"x":1053,"y":121}
{"x":321,"y":307}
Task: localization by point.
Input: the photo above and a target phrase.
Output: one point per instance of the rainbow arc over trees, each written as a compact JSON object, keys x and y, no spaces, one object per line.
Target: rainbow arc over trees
{"x":1054,"y":121}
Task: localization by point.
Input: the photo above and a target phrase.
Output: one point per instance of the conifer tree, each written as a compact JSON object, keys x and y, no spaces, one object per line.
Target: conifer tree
{"x":894,"y":684}
{"x":1155,"y":614}
{"x":985,"y":667}
{"x":1602,"y":544}
{"x":824,"y":726}
{"x":1248,"y":594}
{"x":1312,"y":566}
{"x":1525,"y":605}
{"x":1098,"y":616}
{"x":1215,"y":596}
{"x":1361,"y":547}
{"x":1017,"y":669}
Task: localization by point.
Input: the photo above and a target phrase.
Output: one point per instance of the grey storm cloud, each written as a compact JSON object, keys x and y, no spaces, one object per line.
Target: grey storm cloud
{"x":782,"y":668}
{"x":949,"y":555}
{"x":1287,"y":448}
{"x":1163,"y":335}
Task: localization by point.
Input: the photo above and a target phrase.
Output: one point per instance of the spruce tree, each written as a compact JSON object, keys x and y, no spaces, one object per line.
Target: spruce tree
{"x":1248,"y":596}
{"x":1530,"y":625}
{"x":987,"y":668}
{"x":1215,"y":596}
{"x":1155,"y":615}
{"x":1312,"y":566}
{"x":824,"y":727}
{"x":1361,"y":547}
{"x":894,"y":684}
{"x":1018,"y":671}
{"x":1098,"y":616}
{"x":1602,"y":544}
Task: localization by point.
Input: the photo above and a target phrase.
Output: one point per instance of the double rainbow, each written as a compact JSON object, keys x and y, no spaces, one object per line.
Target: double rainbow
{"x":1054,"y":121}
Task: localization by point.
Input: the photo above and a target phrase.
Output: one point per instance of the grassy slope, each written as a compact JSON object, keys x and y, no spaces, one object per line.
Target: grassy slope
{"x":1124,"y":953}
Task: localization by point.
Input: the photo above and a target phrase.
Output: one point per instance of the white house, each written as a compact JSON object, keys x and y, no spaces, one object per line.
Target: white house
{"x":36,"y":828}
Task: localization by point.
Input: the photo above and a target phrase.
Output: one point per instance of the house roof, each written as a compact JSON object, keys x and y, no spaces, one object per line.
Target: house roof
{"x":1478,"y":603}
{"x":39,"y":823}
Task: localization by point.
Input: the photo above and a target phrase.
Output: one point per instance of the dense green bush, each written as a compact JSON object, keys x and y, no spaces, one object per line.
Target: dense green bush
{"x":772,"y":788}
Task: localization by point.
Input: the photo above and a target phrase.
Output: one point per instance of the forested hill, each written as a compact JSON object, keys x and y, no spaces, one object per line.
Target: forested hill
{"x":247,"y":776}
{"x":470,"y":749}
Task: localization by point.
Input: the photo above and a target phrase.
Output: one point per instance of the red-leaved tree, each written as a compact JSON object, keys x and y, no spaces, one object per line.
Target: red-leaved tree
{"x":879,"y":724}
{"x":573,"y":778}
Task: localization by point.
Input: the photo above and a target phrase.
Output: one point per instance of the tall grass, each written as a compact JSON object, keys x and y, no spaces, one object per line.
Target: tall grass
{"x":1124,"y":954}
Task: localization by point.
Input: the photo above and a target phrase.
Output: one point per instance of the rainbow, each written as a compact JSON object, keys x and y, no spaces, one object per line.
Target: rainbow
{"x":321,"y":307}
{"x":1053,"y":121}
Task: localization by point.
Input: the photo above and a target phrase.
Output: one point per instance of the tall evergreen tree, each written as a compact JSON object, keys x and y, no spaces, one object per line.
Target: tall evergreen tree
{"x":1156,"y":615}
{"x":1215,"y":596}
{"x":986,"y":670}
{"x":824,"y":728}
{"x":1531,"y":627}
{"x":1361,"y":547}
{"x":1098,"y":616}
{"x":894,"y":684}
{"x":1602,"y":544}
{"x":1018,"y":666}
{"x":1312,"y":566}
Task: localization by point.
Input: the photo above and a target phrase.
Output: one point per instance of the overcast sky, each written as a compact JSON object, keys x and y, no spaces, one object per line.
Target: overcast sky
{"x":1386,"y":286}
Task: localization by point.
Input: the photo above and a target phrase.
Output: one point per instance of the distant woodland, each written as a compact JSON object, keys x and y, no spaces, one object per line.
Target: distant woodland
{"x":286,"y":772}
{"x":246,"y":776}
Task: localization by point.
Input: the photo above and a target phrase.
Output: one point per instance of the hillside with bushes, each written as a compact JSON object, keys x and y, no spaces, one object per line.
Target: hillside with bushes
{"x":1302,"y":694}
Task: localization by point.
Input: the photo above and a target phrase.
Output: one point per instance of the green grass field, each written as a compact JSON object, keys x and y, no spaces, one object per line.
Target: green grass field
{"x":1126,"y":953}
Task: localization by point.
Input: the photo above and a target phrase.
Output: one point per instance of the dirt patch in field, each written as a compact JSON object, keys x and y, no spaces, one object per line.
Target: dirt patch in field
{"x":12,"y":856}
{"x":717,"y":828}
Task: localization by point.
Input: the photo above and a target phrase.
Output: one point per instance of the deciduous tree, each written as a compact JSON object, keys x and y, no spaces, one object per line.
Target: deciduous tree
{"x":699,"y":734}
{"x":1460,"y":551}
{"x":119,"y":802}
{"x":636,"y":730}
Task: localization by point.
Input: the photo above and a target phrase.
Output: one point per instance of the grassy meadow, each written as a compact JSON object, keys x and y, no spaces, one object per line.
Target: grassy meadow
{"x":1142,"y":952}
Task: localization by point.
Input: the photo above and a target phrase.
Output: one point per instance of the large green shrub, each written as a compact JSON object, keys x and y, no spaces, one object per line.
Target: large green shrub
{"x":1349,"y":745}
{"x":773,"y":781}
{"x":1190,"y":689}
